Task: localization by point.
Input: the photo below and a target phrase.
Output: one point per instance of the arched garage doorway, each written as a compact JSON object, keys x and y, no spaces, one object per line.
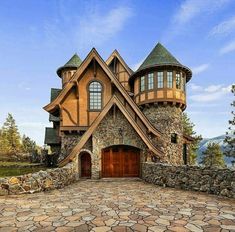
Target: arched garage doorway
{"x":85,"y":159}
{"x":120,"y":161}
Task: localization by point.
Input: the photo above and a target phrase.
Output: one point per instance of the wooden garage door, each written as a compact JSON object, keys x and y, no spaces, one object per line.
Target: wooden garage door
{"x":120,"y":161}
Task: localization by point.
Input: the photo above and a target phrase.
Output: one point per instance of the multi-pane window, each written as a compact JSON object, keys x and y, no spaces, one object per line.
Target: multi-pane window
{"x":150,"y":81}
{"x":182,"y":82}
{"x":95,"y":95}
{"x":142,"y":83}
{"x":160,"y":79}
{"x":178,"y":81}
{"x":169,"y":80}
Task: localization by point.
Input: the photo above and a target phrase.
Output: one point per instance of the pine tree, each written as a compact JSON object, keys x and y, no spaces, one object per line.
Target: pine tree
{"x":28,"y":144}
{"x":10,"y":136}
{"x":213,"y":156}
{"x":188,"y":128}
{"x":230,"y":135}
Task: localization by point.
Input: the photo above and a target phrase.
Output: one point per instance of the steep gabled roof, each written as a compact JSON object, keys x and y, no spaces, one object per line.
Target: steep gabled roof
{"x":113,"y":101}
{"x":74,"y":62}
{"x":116,"y":54}
{"x":94,"y":55}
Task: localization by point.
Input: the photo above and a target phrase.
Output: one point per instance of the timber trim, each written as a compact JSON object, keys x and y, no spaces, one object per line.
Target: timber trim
{"x":113,"y":101}
{"x":100,"y":61}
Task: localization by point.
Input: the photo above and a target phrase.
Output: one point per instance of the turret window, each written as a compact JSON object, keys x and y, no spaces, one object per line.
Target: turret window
{"x":183,"y":83}
{"x":169,"y":80}
{"x":95,"y":96}
{"x":178,"y":80}
{"x":160,"y":79}
{"x":150,"y":81}
{"x":142,"y":83}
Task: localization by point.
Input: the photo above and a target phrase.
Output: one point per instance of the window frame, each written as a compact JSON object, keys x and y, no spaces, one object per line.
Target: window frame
{"x":142,"y":85}
{"x":167,"y":80}
{"x":162,"y":80}
{"x":178,"y":83}
{"x":150,"y":75}
{"x":95,"y":91}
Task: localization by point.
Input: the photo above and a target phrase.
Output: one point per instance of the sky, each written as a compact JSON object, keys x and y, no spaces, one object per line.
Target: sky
{"x":37,"y":37}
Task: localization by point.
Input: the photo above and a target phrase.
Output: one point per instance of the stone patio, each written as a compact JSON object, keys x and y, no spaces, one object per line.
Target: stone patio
{"x":119,"y":205}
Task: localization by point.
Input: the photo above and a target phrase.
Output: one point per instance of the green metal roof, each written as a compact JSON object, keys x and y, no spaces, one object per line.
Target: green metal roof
{"x":54,"y":95}
{"x":159,"y":56}
{"x":74,"y":62}
{"x":51,"y":136}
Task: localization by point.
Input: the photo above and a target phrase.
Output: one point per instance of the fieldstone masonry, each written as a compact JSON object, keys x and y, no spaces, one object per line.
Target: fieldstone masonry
{"x":109,"y":134}
{"x":168,"y":119}
{"x":39,"y":181}
{"x":210,"y":180}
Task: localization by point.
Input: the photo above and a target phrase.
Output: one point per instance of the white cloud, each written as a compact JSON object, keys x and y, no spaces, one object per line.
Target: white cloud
{"x":99,"y":27}
{"x":195,"y":87}
{"x":200,"y":69}
{"x":211,"y":93}
{"x":230,"y":47}
{"x":189,"y":9}
{"x":224,"y":28}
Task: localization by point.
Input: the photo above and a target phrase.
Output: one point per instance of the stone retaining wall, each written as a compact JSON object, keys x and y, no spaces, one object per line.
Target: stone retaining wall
{"x":38,"y":181}
{"x":214,"y":181}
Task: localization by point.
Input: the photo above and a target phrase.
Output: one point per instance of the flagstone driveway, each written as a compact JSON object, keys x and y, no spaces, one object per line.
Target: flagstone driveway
{"x":127,"y":205}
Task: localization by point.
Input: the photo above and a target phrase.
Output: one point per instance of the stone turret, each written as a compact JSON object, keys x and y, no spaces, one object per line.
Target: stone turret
{"x":66,"y":72}
{"x":159,"y":87}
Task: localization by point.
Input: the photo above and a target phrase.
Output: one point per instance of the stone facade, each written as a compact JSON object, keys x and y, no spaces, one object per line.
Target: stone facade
{"x":39,"y":181}
{"x":168,"y":119}
{"x":210,"y":180}
{"x":114,"y":131}
{"x":68,"y":141}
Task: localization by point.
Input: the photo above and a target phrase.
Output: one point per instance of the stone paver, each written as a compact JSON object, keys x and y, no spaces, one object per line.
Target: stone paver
{"x":126,"y":205}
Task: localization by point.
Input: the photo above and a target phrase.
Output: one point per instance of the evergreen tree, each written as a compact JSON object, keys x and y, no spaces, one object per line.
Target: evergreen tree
{"x":188,"y":128}
{"x":230,"y":135}
{"x":10,"y":137}
{"x":213,"y":156}
{"x":28,"y":145}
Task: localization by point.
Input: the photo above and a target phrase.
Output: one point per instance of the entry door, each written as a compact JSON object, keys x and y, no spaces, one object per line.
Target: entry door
{"x":85,"y":165}
{"x":120,"y":162}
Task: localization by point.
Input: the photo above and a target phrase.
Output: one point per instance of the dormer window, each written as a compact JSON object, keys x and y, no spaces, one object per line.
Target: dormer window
{"x":95,"y":96}
{"x":142,"y":83}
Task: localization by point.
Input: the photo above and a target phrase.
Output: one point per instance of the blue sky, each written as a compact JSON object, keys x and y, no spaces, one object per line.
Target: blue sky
{"x":36,"y":37}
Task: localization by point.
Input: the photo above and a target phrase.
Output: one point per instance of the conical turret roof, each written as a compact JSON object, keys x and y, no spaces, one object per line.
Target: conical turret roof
{"x":74,"y":62}
{"x":159,"y":56}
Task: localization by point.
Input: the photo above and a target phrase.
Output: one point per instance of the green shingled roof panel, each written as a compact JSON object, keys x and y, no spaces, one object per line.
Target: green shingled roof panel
{"x":159,"y":56}
{"x":74,"y":62}
{"x":51,"y":136}
{"x":54,"y":95}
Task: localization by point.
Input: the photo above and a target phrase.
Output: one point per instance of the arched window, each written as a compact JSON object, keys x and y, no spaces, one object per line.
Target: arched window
{"x":95,"y":96}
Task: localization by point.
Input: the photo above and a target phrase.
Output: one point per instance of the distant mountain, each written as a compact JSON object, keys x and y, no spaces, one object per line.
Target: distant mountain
{"x":219,"y":140}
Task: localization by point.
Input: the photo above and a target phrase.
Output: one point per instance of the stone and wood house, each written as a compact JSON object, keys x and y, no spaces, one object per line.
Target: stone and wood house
{"x":109,"y":120}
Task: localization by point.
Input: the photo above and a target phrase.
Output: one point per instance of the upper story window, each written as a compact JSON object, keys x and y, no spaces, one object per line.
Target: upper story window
{"x":169,"y":80}
{"x":95,"y":96}
{"x":142,"y":83}
{"x":174,"y":138}
{"x":160,"y":79}
{"x":150,"y":81}
{"x":178,"y":80}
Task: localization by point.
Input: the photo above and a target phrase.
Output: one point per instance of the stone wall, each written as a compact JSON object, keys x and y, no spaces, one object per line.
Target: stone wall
{"x":38,"y":181}
{"x":168,"y":119}
{"x":114,"y":131}
{"x":214,"y":181}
